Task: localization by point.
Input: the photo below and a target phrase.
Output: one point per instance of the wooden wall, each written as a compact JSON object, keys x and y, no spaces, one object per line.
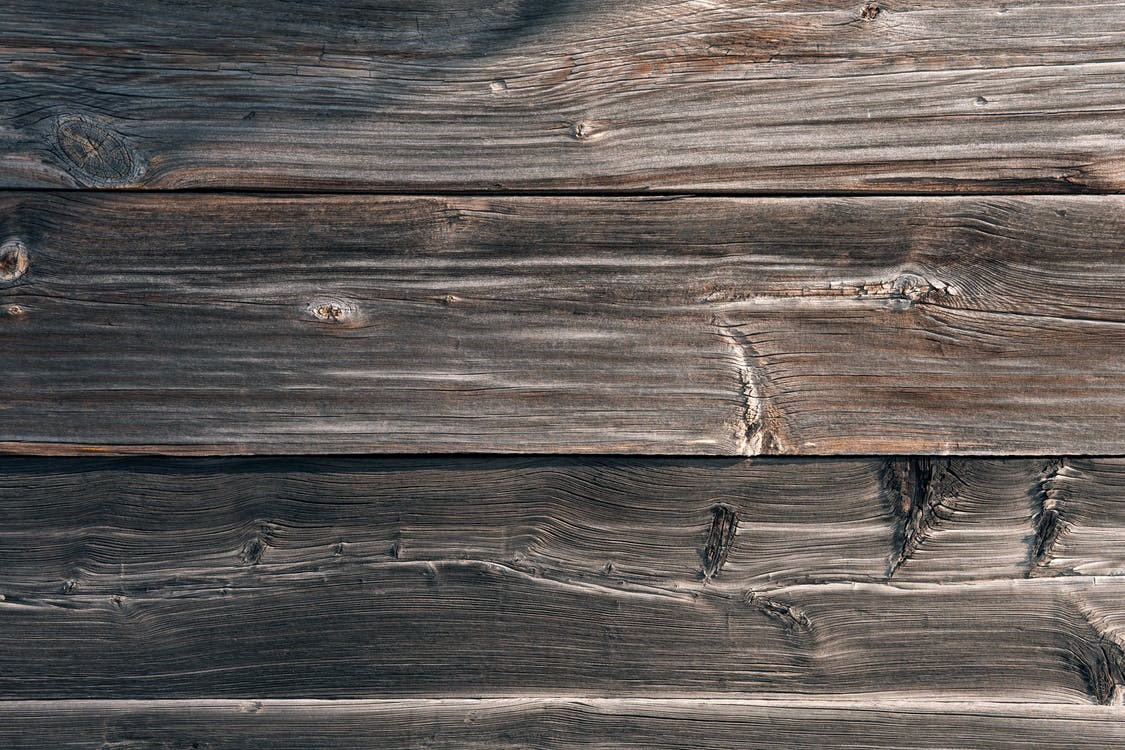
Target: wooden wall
{"x":524,"y":374}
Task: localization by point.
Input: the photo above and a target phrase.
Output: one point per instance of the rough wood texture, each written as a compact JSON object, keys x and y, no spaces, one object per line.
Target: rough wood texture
{"x":790,"y":96}
{"x":223,"y":323}
{"x":498,"y":576}
{"x":552,"y":725}
{"x":476,"y":628}
{"x":130,"y":525}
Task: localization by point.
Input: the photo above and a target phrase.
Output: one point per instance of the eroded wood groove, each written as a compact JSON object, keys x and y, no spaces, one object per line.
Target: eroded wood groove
{"x":924,"y":497}
{"x":1101,"y":660}
{"x":762,"y":426}
{"x":1049,"y":522}
{"x":724,"y":527}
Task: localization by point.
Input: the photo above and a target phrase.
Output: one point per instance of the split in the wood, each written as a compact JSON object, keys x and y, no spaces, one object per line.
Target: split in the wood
{"x":1050,"y":496}
{"x":761,"y":426}
{"x":1101,"y":659}
{"x":793,"y":619}
{"x":923,"y":493}
{"x":720,"y":539}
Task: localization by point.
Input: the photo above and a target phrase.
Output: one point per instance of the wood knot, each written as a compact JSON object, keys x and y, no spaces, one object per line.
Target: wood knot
{"x":583,"y":130}
{"x":498,"y":87}
{"x":94,"y":152}
{"x":910,"y":287}
{"x":16,"y":311}
{"x":870,"y":11}
{"x":13,"y":260}
{"x":255,"y":547}
{"x":329,"y":311}
{"x":336,"y":312}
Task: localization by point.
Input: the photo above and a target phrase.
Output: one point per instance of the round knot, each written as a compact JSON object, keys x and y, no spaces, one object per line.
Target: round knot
{"x":96,"y":153}
{"x":337,"y":312}
{"x":13,"y":260}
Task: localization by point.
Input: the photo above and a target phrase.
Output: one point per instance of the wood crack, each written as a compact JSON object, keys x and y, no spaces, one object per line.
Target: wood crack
{"x":1101,"y":660}
{"x":720,"y":539}
{"x":1050,"y":524}
{"x":791,"y":618}
{"x":923,"y":493}
{"x":761,"y":429}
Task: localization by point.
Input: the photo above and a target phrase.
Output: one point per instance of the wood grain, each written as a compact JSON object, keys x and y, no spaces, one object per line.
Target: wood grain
{"x":766,"y":96}
{"x":234,"y":324}
{"x":456,"y":628}
{"x":551,"y":725}
{"x":434,"y":577}
{"x":130,"y":525}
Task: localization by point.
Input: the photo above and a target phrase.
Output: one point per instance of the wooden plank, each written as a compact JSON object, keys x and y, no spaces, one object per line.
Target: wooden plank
{"x":128,"y":526}
{"x":235,"y":324}
{"x":552,"y":725}
{"x":497,"y":576}
{"x":790,"y":96}
{"x":218,"y":324}
{"x":455,"y":628}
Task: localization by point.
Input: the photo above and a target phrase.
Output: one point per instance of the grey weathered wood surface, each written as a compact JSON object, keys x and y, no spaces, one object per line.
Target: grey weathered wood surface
{"x":562,"y":601}
{"x":233,"y":324}
{"x":130,"y":525}
{"x":353,"y":578}
{"x":551,"y":725}
{"x":791,"y":96}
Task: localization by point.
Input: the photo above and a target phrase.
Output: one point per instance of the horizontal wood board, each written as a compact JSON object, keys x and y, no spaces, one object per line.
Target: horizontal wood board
{"x":684,"y":95}
{"x":551,"y":725}
{"x":348,"y":578}
{"x":238,"y":324}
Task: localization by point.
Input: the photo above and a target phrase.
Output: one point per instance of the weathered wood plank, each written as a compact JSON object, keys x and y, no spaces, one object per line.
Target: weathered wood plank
{"x":462,"y":577}
{"x":791,"y":96}
{"x":221,"y":323}
{"x":552,"y":725}
{"x":456,"y":628}
{"x":128,"y":526}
